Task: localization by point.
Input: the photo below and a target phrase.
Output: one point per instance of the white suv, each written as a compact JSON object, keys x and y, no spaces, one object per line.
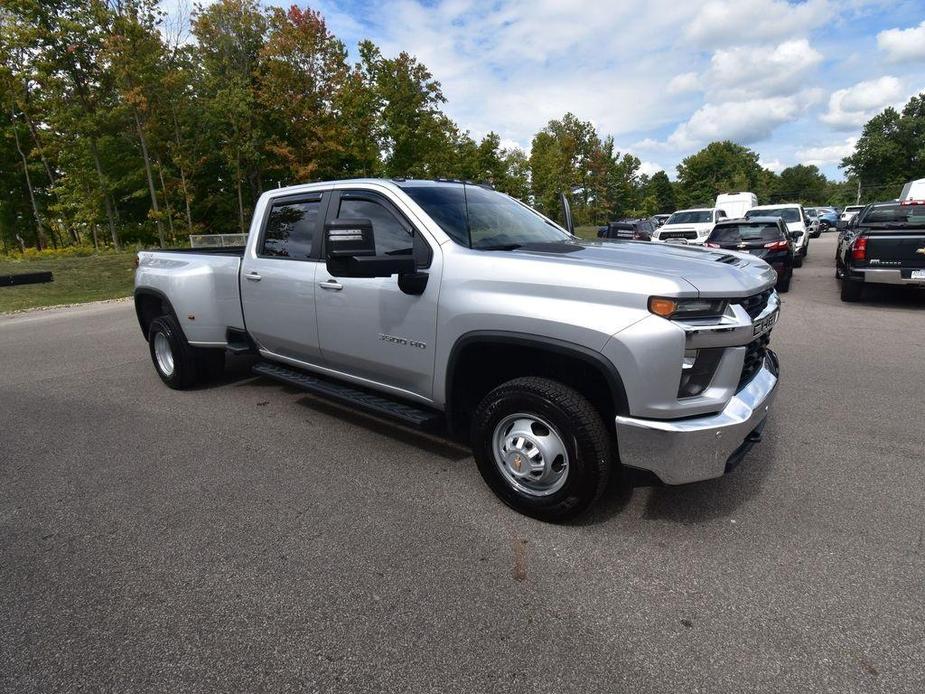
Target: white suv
{"x":689,"y":226}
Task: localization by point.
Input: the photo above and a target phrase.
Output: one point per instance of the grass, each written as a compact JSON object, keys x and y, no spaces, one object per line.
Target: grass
{"x":587,"y":232}
{"x":76,"y":280}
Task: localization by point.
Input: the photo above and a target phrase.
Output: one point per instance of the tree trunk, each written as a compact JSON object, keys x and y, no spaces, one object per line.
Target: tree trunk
{"x":144,"y":152}
{"x":160,"y":175}
{"x":105,"y":189}
{"x":240,"y":194}
{"x":38,"y":146}
{"x":40,"y":232}
{"x":176,"y":135}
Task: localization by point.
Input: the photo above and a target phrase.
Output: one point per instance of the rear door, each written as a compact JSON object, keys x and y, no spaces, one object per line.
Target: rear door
{"x":369,"y":328}
{"x":278,"y":278}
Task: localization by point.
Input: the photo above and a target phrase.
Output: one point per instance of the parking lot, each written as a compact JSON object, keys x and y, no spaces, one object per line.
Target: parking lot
{"x":249,"y":537}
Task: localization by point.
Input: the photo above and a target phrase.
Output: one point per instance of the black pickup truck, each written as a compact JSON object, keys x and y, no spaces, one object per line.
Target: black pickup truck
{"x":884,"y":244}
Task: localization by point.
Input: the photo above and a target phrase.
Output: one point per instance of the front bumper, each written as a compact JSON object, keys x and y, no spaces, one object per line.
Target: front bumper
{"x":700,"y":448}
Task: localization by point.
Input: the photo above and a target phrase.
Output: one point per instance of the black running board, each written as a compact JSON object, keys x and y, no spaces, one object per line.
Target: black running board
{"x":356,"y":398}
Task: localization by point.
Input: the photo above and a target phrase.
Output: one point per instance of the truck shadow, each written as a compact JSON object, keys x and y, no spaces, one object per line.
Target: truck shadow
{"x":705,"y":501}
{"x":887,"y":296}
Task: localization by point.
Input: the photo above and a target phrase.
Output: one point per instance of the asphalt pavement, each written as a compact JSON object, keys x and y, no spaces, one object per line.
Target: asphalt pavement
{"x":247,"y":537}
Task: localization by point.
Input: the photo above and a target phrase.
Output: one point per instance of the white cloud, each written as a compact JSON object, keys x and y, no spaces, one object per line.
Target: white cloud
{"x":825,"y":155}
{"x":649,"y":167}
{"x":764,"y":70}
{"x":685,"y":82}
{"x":852,"y":107}
{"x":902,"y":45}
{"x":775,"y":165}
{"x":740,"y":121}
{"x":747,"y":21}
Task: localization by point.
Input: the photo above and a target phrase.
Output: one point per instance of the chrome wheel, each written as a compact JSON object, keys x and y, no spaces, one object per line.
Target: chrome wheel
{"x":530,"y":454}
{"x":163,"y":354}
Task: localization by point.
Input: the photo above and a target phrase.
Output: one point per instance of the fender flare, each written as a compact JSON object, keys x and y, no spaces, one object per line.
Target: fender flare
{"x":151,"y":291}
{"x":595,"y":359}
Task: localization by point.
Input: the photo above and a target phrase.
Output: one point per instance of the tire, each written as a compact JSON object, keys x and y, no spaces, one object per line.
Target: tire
{"x":851,"y":290}
{"x":783,"y":286}
{"x":179,"y":364}
{"x":797,"y":260}
{"x":560,"y":423}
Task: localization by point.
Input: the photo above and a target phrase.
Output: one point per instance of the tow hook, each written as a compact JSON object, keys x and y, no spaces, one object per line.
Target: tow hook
{"x":754,"y":437}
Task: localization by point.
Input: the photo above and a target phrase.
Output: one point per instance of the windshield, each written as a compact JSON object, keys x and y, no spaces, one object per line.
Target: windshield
{"x":907,"y":215}
{"x":479,"y":218}
{"x":737,"y":233}
{"x":790,"y":214}
{"x":691,"y":217}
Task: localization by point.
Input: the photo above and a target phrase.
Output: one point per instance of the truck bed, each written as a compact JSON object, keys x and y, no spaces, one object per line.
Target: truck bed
{"x":202,"y":285}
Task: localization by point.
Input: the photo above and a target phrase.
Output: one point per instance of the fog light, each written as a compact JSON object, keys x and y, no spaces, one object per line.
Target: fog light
{"x":689,"y":359}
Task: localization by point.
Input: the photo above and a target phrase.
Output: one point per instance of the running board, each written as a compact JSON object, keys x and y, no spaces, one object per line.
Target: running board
{"x":409,"y":415}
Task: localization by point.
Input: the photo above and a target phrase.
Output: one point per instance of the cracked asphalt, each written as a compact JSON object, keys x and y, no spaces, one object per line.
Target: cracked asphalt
{"x":247,"y":537}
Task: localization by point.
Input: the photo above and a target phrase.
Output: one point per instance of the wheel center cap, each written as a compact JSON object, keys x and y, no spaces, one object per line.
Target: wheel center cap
{"x":518,"y":461}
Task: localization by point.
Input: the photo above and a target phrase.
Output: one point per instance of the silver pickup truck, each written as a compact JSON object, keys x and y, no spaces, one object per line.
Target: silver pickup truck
{"x":451,"y":307}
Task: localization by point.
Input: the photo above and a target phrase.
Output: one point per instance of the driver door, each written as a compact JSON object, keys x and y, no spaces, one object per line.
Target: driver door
{"x":369,"y":329}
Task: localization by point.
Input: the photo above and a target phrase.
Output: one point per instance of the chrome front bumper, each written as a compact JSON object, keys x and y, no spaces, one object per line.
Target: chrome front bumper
{"x":699,"y":448}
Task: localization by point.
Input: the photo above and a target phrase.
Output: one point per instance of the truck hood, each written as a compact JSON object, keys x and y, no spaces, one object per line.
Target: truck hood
{"x":712,"y":272}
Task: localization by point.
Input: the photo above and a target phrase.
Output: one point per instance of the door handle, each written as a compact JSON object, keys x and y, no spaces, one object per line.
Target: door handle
{"x":253,"y":276}
{"x":331,"y":284}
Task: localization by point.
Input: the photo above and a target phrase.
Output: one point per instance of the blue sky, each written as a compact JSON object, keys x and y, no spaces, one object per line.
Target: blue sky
{"x":793,"y":80}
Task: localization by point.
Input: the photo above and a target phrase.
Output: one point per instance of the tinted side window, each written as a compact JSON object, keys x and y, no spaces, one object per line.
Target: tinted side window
{"x":392,"y":236}
{"x":290,"y":229}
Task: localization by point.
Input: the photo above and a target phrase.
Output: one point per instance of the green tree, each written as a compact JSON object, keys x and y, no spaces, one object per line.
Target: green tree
{"x":801,"y":183}
{"x":890,"y":151}
{"x":659,"y":187}
{"x":720,"y":167}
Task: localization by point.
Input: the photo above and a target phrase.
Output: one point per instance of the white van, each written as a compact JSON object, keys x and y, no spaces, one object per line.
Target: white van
{"x":913,"y":190}
{"x":735,"y":205}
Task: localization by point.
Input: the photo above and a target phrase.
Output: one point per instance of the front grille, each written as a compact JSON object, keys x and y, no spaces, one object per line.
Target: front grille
{"x":756,"y":303}
{"x":665,"y":235}
{"x":755,"y":353}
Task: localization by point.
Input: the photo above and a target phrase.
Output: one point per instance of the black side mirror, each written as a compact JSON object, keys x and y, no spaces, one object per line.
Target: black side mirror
{"x":796,"y":235}
{"x":350,"y":247}
{"x":841,"y":224}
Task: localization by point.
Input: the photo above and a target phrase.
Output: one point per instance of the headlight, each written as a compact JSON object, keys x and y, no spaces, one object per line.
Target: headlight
{"x":686,"y":308}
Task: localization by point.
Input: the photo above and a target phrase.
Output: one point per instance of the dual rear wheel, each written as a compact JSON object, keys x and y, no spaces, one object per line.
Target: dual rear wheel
{"x":179,"y":364}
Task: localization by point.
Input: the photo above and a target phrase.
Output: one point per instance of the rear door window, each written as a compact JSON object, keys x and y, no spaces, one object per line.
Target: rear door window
{"x":290,"y":229}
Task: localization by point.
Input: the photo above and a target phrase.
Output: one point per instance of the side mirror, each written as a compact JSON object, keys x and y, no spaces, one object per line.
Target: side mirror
{"x":796,"y":235}
{"x":350,"y":247}
{"x":841,"y":224}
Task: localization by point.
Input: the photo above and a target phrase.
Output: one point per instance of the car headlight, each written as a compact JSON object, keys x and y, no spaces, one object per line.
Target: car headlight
{"x":667,"y":307}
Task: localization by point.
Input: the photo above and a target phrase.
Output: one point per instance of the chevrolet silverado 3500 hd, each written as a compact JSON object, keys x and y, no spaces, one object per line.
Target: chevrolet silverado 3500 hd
{"x":446,"y":305}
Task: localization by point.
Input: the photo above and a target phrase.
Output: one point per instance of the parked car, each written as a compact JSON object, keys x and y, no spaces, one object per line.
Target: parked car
{"x":815,"y":228}
{"x":451,"y":307}
{"x":634,"y":229}
{"x":827,"y":216}
{"x":849,"y":212}
{"x":795,"y":219}
{"x":763,"y":237}
{"x":662,"y":218}
{"x":689,"y":226}
{"x":735,"y":205}
{"x":884,"y":244}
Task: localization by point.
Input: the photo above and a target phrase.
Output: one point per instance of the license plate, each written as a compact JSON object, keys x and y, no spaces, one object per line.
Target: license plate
{"x":918,"y":274}
{"x":762,"y":326}
{"x":680,"y":242}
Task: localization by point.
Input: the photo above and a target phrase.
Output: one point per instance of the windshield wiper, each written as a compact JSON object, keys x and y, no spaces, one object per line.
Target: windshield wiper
{"x":500,"y":247}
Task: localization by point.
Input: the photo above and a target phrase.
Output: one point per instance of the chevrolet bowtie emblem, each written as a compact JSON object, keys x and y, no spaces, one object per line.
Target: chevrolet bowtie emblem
{"x":518,"y":463}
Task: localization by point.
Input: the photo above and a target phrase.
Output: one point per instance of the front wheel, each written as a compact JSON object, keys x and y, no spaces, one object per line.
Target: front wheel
{"x":542,"y":448}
